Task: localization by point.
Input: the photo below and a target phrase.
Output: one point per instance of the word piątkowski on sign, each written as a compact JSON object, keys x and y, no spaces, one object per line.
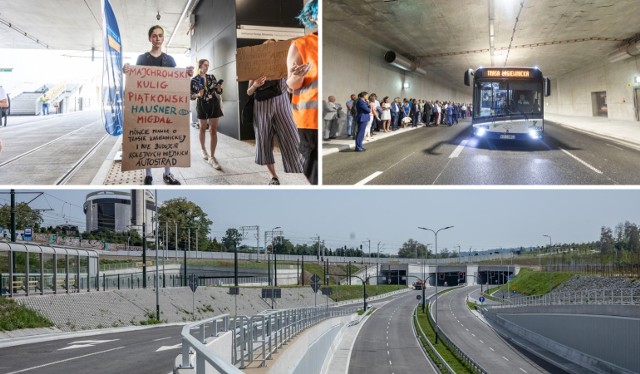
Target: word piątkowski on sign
{"x":156,"y":118}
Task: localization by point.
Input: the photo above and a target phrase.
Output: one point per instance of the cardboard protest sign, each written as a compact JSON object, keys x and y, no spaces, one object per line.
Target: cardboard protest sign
{"x":156,"y":118}
{"x":269,"y":60}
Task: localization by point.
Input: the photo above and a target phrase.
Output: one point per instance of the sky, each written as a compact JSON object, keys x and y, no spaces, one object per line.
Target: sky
{"x":483,"y":219}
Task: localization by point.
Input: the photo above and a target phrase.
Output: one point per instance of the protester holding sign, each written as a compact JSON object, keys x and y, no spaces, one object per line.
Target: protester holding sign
{"x":156,"y":57}
{"x":205,"y":89}
{"x":302,"y":66}
{"x":272,"y":117}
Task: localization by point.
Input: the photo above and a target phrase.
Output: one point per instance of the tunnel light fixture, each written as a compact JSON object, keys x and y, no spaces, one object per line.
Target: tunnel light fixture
{"x":637,"y":79}
{"x":406,"y":85}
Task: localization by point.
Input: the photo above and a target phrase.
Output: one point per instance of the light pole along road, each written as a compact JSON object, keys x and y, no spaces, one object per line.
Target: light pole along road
{"x":384,"y":345}
{"x":436,"y":277}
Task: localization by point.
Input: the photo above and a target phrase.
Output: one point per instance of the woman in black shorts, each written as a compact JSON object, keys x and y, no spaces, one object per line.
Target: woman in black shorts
{"x":203,"y":89}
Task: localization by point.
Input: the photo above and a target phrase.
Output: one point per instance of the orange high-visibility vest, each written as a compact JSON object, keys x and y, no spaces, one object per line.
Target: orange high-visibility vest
{"x":305,"y":100}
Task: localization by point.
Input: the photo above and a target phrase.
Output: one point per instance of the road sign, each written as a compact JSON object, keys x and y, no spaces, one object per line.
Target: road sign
{"x":315,"y":278}
{"x":315,"y":287}
{"x":6,"y":70}
{"x":327,"y":291}
{"x":481,"y":299}
{"x":193,"y":282}
{"x":271,"y":293}
{"x":27,"y":235}
{"x":419,"y":297}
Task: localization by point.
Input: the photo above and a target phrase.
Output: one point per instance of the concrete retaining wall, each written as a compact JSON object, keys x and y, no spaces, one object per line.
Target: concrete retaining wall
{"x":600,"y":343}
{"x":308,"y":353}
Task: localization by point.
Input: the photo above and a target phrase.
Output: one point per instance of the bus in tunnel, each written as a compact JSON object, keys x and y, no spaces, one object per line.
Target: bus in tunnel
{"x":508,"y":102}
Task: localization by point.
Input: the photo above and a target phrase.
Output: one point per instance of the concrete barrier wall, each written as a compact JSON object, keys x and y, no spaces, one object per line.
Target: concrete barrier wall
{"x":308,"y":353}
{"x":597,"y":342}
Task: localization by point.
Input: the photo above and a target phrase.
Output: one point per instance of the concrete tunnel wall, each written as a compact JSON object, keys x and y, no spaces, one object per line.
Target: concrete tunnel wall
{"x":571,"y":93}
{"x":352,"y":63}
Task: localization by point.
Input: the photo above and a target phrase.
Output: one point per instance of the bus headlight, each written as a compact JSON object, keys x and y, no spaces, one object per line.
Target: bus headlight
{"x":534,"y":134}
{"x":481,"y":131}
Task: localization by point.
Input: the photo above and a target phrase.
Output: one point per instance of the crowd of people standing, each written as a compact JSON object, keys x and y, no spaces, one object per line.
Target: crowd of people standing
{"x":366,"y":114}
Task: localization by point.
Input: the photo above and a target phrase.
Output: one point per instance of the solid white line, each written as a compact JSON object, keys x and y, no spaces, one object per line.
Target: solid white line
{"x":456,"y":152}
{"x":369,"y":178}
{"x":65,"y":360}
{"x":157,"y":340}
{"x":581,"y":161}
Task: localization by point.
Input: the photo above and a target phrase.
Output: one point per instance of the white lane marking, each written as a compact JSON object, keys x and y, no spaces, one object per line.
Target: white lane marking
{"x":388,"y":353}
{"x":492,"y":350}
{"x":474,"y":335}
{"x":581,"y":161}
{"x":467,"y":329}
{"x":506,"y":359}
{"x":481,"y":342}
{"x":390,"y":363}
{"x":65,"y":360}
{"x":456,"y":152}
{"x":369,"y":178}
{"x":524,"y":371}
{"x":157,"y":340}
{"x":169,"y":347}
{"x":85,"y":344}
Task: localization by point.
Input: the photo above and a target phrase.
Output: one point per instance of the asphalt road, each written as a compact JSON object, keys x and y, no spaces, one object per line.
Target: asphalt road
{"x":479,"y":341}
{"x":386,"y":344}
{"x":125,"y":352}
{"x":44,"y":149}
{"x":451,"y":156}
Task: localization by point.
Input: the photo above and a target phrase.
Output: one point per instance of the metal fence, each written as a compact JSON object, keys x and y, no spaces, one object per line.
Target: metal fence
{"x":468,"y":361}
{"x":255,"y":339}
{"x":621,"y":296}
{"x":602,"y":270}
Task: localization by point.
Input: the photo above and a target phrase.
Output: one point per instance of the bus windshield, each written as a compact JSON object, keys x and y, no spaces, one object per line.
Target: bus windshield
{"x":507,"y":98}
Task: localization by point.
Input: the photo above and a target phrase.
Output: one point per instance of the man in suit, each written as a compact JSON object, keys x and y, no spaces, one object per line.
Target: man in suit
{"x":330,"y":118}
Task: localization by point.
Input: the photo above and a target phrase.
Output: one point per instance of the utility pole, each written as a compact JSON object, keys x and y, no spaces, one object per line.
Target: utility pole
{"x":157,"y":268}
{"x":244,"y":229}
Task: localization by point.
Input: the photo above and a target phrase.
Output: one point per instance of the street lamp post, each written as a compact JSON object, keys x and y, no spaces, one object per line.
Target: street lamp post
{"x":273,"y":249}
{"x":548,"y":270}
{"x":435,"y":233}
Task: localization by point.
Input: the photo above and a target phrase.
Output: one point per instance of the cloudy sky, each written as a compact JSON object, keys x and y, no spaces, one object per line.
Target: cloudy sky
{"x":482,"y":218}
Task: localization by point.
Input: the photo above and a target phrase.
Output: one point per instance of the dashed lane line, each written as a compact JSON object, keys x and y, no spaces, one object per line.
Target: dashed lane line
{"x":65,"y":360}
{"x":456,"y":152}
{"x":369,"y":178}
{"x":581,"y":161}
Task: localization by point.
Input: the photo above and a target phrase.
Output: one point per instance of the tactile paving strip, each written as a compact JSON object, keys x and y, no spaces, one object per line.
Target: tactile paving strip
{"x":116,"y":176}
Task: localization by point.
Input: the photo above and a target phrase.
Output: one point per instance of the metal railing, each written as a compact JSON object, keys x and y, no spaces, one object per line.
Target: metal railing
{"x":426,"y":339}
{"x":255,"y":339}
{"x":621,"y":296}
{"x":468,"y":361}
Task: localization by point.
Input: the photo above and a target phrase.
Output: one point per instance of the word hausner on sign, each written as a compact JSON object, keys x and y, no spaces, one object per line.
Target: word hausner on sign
{"x":156,"y":118}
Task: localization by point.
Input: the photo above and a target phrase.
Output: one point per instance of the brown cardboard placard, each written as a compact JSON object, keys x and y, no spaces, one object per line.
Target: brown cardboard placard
{"x":268,"y":59}
{"x":156,"y":118}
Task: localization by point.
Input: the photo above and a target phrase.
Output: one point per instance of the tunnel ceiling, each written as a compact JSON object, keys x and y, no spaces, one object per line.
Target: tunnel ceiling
{"x":77,"y":24}
{"x":447,"y":37}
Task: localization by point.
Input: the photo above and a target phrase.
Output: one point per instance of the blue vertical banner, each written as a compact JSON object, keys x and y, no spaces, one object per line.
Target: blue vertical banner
{"x":112,"y":86}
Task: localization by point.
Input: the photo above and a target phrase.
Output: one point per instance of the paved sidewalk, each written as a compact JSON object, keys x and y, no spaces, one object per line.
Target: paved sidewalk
{"x":626,"y":132}
{"x":235,"y":157}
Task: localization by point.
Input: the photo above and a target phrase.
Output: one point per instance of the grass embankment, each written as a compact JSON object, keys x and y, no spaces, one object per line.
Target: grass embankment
{"x":533,"y":283}
{"x":341,"y":293}
{"x":14,"y":316}
{"x":442,"y":349}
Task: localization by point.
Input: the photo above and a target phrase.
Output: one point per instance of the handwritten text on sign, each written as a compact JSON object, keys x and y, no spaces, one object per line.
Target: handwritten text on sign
{"x":156,"y":118}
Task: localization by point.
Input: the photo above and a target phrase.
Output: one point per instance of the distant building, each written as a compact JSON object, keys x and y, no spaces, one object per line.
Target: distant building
{"x":116,"y":211}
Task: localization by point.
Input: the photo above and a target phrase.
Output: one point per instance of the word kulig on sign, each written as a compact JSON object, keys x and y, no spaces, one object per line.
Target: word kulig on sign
{"x":156,"y":118}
